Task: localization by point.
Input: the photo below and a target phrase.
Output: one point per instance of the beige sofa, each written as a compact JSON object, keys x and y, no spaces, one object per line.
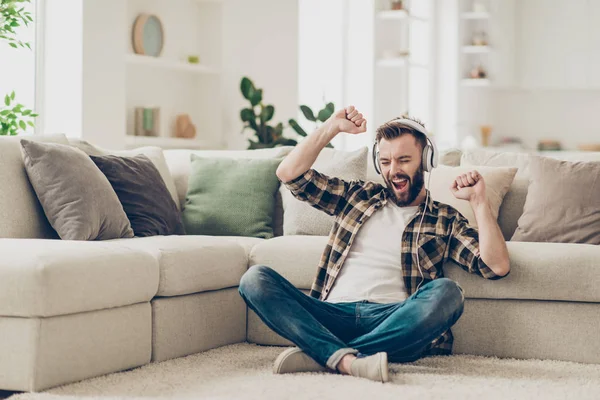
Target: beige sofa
{"x":74,"y":310}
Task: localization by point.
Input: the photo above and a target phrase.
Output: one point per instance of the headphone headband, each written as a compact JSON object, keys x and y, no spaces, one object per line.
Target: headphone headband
{"x":430,"y":154}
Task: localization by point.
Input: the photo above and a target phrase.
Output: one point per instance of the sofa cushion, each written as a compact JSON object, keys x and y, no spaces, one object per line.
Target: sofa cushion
{"x":295,"y":257}
{"x":514,"y":201}
{"x":229,"y":197}
{"x":42,"y":278}
{"x":563,"y":203}
{"x":497,"y":182}
{"x":155,"y":154}
{"x":539,"y":271}
{"x":299,"y":218}
{"x":21,"y":215}
{"x":143,"y":194}
{"x":192,"y":264}
{"x":247,"y":243}
{"x":179,"y":162}
{"x":77,"y":198}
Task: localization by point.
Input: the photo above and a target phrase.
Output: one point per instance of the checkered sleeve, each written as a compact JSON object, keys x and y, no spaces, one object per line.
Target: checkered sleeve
{"x":321,"y":191}
{"x":464,"y":249}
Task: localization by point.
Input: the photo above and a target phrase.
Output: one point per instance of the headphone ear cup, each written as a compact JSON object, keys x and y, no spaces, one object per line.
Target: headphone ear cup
{"x":426,"y":159}
{"x":376,"y":159}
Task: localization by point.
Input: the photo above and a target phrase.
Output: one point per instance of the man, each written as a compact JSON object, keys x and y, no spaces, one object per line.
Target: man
{"x":379,"y":293}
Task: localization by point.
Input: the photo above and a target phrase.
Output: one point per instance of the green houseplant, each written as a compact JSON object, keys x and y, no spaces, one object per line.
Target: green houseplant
{"x":318,"y":118}
{"x":258,"y":117}
{"x":14,"y":117}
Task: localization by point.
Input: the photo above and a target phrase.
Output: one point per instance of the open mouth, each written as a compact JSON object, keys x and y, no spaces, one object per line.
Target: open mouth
{"x":401,"y":185}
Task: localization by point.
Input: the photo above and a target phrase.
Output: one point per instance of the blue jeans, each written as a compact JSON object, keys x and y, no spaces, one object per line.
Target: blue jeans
{"x":329,"y":331}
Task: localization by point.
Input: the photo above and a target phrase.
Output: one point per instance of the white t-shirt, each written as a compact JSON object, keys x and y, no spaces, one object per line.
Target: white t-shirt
{"x":373,"y":268}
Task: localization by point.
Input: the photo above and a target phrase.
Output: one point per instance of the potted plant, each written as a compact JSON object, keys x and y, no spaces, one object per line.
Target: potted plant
{"x":258,"y":116}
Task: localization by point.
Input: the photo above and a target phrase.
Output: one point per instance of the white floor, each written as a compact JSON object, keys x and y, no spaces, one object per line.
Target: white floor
{"x":243,"y":371}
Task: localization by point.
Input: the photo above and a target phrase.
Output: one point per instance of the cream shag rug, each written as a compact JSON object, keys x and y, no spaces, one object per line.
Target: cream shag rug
{"x":244,"y":371}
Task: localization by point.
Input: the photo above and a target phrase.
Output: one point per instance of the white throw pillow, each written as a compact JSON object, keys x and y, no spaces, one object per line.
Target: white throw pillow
{"x":299,"y":218}
{"x":497,"y":180}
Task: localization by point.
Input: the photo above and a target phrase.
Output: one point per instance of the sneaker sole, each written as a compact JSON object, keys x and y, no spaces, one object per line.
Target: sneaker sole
{"x":281,"y":357}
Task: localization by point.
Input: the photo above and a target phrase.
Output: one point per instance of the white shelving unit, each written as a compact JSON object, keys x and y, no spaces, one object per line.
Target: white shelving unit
{"x":476,"y":49}
{"x":169,"y":82}
{"x":174,"y":65}
{"x":402,"y":82}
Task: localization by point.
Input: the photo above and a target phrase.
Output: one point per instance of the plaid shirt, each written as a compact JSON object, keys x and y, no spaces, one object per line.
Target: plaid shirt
{"x":445,"y":234}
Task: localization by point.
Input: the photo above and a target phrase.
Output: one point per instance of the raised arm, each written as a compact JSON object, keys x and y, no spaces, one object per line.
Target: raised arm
{"x":491,"y":245}
{"x":303,"y":156}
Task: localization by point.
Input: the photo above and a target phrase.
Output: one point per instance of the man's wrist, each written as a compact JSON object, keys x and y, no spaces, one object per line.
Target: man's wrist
{"x":329,"y":131}
{"x":479,"y":203}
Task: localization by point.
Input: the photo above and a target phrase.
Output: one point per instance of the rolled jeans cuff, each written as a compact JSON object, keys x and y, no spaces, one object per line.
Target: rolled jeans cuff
{"x":336,"y":357}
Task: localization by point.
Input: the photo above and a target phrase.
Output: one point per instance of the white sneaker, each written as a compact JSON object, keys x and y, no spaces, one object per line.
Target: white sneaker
{"x":373,"y":367}
{"x":295,"y":360}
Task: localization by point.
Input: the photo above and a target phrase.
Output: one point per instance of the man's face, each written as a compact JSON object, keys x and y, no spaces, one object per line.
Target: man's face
{"x":400,"y":162}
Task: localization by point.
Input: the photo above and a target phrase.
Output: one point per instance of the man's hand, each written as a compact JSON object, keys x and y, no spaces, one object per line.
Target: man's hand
{"x":469,"y":186}
{"x":347,"y":120}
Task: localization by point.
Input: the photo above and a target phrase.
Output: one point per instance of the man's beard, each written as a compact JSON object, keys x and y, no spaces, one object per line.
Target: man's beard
{"x":415,"y":185}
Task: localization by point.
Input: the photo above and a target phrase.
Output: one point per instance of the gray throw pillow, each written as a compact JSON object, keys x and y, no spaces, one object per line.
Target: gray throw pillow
{"x":143,"y":194}
{"x":563,"y":203}
{"x":299,"y":218}
{"x":76,"y":197}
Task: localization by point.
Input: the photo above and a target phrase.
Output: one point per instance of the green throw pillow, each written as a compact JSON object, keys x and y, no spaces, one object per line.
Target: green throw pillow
{"x":231,"y":197}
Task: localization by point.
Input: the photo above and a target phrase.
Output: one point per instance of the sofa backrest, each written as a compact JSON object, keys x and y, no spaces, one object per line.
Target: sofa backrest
{"x":21,"y":215}
{"x":514,"y":201}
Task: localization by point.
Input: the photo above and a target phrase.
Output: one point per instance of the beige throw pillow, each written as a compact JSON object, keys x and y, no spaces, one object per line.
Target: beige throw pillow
{"x":497,"y":180}
{"x":299,"y":218}
{"x":563,"y":203}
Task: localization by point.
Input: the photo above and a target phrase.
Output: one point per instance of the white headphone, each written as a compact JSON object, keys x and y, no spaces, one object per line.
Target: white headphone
{"x":429,"y":157}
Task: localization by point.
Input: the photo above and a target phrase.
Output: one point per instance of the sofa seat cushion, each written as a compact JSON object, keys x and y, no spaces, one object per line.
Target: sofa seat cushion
{"x":43,"y":278}
{"x":246,"y":242}
{"x":192,"y":264}
{"x":295,"y":257}
{"x":539,"y":271}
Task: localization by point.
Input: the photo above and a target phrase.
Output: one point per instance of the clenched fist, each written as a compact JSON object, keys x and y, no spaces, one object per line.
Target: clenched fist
{"x":469,"y":186}
{"x":347,"y":120}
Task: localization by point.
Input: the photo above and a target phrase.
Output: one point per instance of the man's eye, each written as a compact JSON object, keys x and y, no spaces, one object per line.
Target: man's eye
{"x":385,"y":163}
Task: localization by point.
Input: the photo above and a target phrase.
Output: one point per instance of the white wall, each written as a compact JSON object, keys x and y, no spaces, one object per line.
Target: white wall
{"x":260,"y":40}
{"x":103,"y":87}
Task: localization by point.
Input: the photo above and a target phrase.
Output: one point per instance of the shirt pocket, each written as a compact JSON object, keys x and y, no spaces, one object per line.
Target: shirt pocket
{"x":432,"y":252}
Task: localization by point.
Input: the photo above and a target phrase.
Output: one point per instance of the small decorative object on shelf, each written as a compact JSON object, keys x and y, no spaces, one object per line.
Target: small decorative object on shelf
{"x":148,"y":35}
{"x":486,"y":132}
{"x":147,"y":121}
{"x":589,"y":147}
{"x":546,"y":145}
{"x":397,"y":4}
{"x":479,"y":39}
{"x":193,"y":59}
{"x":478,"y":73}
{"x":184,"y":127}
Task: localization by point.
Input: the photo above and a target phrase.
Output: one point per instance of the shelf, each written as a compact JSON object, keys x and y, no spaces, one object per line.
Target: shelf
{"x":476,"y":49}
{"x":392,"y":62}
{"x":475,"y":82}
{"x":166,"y":64}
{"x":207,"y":1}
{"x":167,"y":142}
{"x":392,"y":14}
{"x":475,"y":15}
